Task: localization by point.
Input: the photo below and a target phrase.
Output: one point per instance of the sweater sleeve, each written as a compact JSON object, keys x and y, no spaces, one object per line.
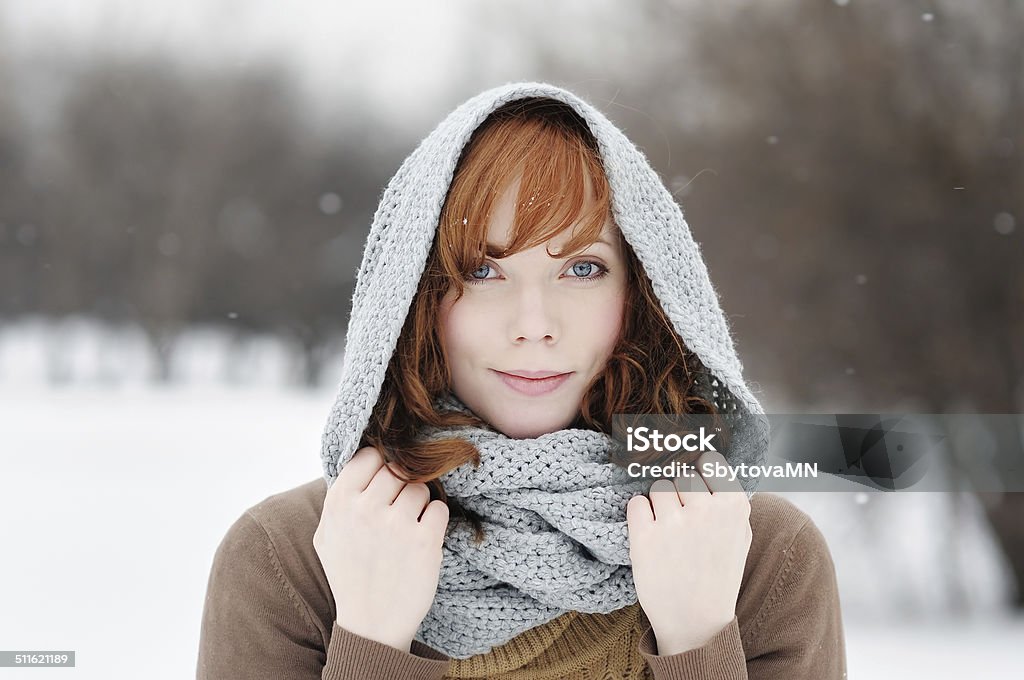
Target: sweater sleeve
{"x":255,"y":626}
{"x":797,"y":631}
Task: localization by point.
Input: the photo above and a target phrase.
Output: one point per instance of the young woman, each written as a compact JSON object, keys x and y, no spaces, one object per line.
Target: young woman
{"x":527,"y":276}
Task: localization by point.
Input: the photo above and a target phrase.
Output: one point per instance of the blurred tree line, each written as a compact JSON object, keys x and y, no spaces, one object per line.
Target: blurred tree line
{"x":854,"y":177}
{"x":168,"y":198}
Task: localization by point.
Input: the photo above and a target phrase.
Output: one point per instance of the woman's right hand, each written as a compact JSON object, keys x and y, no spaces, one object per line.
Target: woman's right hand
{"x":381,"y":558}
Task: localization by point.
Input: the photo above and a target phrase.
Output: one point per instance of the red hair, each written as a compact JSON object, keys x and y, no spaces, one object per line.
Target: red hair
{"x":547,"y":146}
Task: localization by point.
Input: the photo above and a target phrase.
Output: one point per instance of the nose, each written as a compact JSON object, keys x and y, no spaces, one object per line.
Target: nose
{"x":534,"y":317}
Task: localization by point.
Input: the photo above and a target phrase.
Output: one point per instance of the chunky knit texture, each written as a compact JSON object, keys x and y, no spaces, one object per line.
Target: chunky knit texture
{"x":556,"y":538}
{"x":533,"y":570}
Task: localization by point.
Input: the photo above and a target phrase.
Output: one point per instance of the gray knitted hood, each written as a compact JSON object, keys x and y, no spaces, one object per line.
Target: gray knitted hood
{"x":404,"y":228}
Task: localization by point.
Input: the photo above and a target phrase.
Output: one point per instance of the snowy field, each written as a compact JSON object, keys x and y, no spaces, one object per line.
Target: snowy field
{"x":114,"y":495}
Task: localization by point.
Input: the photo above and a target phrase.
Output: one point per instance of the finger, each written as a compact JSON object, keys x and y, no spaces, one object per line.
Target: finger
{"x":664,"y":498}
{"x":638,"y":512}
{"x":692,"y":486}
{"x":435,"y":517}
{"x":412,"y":499}
{"x":384,"y":486}
{"x":359,"y":470}
{"x":721,"y":482}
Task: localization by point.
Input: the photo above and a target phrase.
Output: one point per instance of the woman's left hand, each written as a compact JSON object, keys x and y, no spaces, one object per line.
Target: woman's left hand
{"x":688,"y":551}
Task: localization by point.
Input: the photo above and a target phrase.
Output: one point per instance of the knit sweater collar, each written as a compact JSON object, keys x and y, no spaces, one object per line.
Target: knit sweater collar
{"x":557,"y":648}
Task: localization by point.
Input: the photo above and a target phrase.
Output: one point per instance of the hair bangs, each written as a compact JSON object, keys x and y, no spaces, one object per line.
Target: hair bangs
{"x":562,"y":185}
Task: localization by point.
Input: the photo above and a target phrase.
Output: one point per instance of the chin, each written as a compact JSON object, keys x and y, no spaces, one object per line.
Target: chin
{"x":514,"y":433}
{"x":532,"y":429}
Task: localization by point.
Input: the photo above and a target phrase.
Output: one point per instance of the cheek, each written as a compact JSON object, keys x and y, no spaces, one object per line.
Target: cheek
{"x":608,"y":320}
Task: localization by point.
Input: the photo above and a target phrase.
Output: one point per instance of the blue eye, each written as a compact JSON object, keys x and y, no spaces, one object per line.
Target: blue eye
{"x":585,"y":267}
{"x":582,"y":269}
{"x":473,"y":278}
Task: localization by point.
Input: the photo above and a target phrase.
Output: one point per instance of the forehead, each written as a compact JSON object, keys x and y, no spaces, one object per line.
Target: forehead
{"x":499,"y":226}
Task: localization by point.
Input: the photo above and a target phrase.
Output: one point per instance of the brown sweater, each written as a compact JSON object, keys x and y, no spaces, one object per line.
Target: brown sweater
{"x":269,"y":614}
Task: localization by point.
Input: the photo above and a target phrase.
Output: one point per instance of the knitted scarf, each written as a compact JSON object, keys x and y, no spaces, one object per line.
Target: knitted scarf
{"x":553,"y":509}
{"x":554,"y":512}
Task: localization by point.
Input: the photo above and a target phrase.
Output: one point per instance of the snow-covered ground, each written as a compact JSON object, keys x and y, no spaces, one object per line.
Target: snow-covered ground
{"x":114,"y":495}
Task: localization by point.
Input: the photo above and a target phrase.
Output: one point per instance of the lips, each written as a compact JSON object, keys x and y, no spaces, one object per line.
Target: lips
{"x":534,"y":387}
{"x":534,"y":374}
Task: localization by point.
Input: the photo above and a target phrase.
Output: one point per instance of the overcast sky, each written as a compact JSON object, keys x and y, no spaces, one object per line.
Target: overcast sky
{"x":418,"y":58}
{"x":398,"y":49}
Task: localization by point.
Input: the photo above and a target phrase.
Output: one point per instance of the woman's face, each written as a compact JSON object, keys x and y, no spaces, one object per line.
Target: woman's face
{"x":532,"y":312}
